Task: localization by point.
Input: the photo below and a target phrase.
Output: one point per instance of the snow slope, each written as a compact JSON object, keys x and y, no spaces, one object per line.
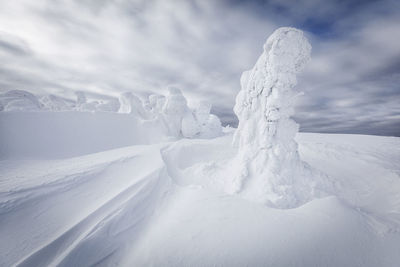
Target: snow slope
{"x":49,"y":207}
{"x":166,"y":205}
{"x":50,"y":135}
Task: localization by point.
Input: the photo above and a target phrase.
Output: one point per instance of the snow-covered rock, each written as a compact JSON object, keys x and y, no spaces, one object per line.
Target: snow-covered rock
{"x":270,"y":167}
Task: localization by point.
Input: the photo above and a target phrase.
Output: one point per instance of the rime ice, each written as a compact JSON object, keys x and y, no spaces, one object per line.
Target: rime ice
{"x":183,"y":121}
{"x":270,"y":168}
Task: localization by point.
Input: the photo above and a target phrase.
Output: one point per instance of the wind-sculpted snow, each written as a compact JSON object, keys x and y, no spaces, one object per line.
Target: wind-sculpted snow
{"x":270,"y":169}
{"x":84,"y":204}
{"x":165,"y":205}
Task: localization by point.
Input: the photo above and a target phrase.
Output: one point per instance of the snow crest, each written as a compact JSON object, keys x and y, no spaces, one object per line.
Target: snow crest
{"x":270,"y":169}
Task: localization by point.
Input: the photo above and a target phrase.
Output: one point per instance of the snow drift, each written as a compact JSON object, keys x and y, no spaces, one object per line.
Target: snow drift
{"x":157,"y":205}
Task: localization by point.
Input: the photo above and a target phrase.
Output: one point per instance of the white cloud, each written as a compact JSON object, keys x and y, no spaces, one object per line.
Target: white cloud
{"x":108,"y":47}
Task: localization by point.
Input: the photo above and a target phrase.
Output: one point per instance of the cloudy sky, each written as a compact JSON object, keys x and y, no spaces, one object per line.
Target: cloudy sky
{"x":352,"y":84}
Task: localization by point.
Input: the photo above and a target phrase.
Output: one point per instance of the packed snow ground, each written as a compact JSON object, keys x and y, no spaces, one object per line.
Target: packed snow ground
{"x":165,"y":205}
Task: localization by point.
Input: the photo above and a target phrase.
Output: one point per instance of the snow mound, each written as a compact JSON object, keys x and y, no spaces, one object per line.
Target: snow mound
{"x":270,"y":169}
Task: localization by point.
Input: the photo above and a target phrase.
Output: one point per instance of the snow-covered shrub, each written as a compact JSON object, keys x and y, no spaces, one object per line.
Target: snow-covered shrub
{"x":270,"y":167}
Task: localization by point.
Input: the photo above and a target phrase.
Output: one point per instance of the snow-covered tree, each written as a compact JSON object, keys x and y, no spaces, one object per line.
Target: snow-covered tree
{"x":174,"y":110}
{"x":270,"y":167}
{"x":130,"y":103}
{"x":80,"y":100}
{"x":19,"y":100}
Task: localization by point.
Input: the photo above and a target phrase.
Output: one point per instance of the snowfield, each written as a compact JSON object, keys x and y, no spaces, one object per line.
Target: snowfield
{"x":160,"y":183}
{"x":163,"y":205}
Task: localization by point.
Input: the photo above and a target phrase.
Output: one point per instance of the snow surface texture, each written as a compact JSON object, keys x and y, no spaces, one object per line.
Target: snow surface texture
{"x":161,"y":205}
{"x":270,"y":169}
